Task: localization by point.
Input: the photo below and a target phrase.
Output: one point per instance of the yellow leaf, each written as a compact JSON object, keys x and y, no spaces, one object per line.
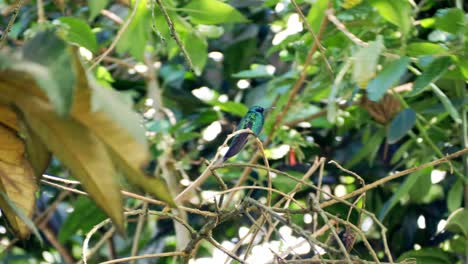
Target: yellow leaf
{"x":16,"y":180}
{"x":121,"y":133}
{"x":80,"y":150}
{"x":8,"y":117}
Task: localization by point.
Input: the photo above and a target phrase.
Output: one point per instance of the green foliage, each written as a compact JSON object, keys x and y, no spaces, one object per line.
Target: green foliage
{"x":387,"y":78}
{"x":385,"y":91}
{"x":402,"y":123}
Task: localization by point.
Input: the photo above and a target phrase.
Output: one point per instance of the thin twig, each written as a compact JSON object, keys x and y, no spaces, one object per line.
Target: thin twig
{"x":395,"y":176}
{"x":19,"y":3}
{"x":117,"y":37}
{"x":314,"y":36}
{"x":139,"y":228}
{"x":147,"y":256}
{"x":279,"y":119}
{"x":175,"y":35}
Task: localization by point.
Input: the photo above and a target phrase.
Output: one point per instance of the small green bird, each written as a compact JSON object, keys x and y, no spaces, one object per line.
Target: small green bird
{"x":254,"y":120}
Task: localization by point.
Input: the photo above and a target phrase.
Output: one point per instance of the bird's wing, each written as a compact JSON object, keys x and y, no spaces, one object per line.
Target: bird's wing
{"x":238,"y":142}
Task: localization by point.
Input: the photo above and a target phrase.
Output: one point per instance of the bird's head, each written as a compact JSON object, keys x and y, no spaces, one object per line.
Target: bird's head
{"x":257,"y":109}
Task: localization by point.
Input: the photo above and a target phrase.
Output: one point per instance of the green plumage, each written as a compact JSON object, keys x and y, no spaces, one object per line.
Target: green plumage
{"x":254,"y":120}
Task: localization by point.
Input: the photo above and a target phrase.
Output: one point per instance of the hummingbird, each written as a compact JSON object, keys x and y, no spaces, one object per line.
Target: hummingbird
{"x":254,"y":120}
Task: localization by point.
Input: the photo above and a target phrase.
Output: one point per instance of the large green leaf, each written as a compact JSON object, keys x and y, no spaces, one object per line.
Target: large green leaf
{"x":55,"y":77}
{"x":135,"y":37}
{"x":403,"y":190}
{"x":212,"y":12}
{"x":387,"y":78}
{"x":457,"y":222}
{"x":397,"y":12}
{"x":256,"y":71}
{"x":425,"y":48}
{"x":95,"y":7}
{"x":451,"y":20}
{"x":79,"y":32}
{"x":401,"y":124}
{"x":81,"y":151}
{"x":85,"y":216}
{"x":197,"y":49}
{"x":427,"y":256}
{"x":455,"y":196}
{"x":432,"y":73}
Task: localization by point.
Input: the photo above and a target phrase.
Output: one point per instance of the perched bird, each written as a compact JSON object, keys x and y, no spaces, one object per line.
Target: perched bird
{"x":254,"y":120}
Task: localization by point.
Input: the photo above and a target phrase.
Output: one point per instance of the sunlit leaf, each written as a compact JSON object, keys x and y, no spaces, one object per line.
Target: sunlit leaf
{"x":197,"y":50}
{"x":397,"y":12}
{"x":316,"y":14}
{"x":457,"y":223}
{"x":455,"y":196}
{"x":95,"y":7}
{"x":211,"y":12}
{"x":256,"y":71}
{"x":425,"y":48}
{"x":450,"y":20}
{"x":365,"y":62}
{"x":135,"y":37}
{"x":79,"y":32}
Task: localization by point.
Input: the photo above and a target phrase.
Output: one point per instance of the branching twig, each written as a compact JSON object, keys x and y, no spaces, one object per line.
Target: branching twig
{"x":174,"y":35}
{"x":118,"y":36}
{"x":19,"y":3}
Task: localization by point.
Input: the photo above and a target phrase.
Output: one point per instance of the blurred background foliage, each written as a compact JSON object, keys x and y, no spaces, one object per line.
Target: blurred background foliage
{"x":384,"y":91}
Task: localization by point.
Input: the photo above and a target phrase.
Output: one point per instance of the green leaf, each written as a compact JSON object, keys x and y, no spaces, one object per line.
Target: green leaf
{"x":371,"y":146}
{"x":211,"y":12}
{"x":450,"y":20}
{"x":427,"y":256}
{"x":26,"y":220}
{"x":432,"y":73}
{"x":457,"y":222}
{"x":51,"y":52}
{"x":448,"y":105}
{"x":397,"y":12}
{"x":197,"y":49}
{"x":135,"y":38}
{"x":403,"y":190}
{"x":425,"y":48}
{"x":79,"y":32}
{"x":256,"y":71}
{"x":455,"y":196}
{"x":95,"y":7}
{"x":401,"y":124}
{"x":316,"y":14}
{"x":365,"y":62}
{"x":387,"y":78}
{"x":85,"y":216}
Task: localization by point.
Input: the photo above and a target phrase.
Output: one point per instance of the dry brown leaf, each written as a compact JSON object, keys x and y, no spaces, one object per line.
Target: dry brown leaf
{"x":8,"y":117}
{"x":16,"y":180}
{"x":80,"y":150}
